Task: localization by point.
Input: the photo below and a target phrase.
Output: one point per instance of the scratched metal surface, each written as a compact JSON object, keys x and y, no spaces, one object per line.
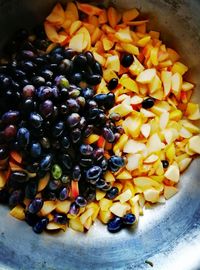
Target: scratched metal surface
{"x":168,"y":235}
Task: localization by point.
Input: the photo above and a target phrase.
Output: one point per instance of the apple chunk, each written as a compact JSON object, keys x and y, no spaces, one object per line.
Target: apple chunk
{"x":194,"y":144}
{"x":173,"y":173}
{"x":146,"y":76}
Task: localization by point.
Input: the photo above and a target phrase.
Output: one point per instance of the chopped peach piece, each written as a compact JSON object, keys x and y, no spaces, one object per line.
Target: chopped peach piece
{"x":89,"y":9}
{"x":130,"y":48}
{"x":77,"y":42}
{"x":130,"y":15}
{"x":107,"y":44}
{"x":71,"y":6}
{"x":103,"y":17}
{"x":124,"y":35}
{"x":146,"y":76}
{"x":51,"y":32}
{"x":74,"y":27}
{"x":112,"y":16}
{"x":57,"y":16}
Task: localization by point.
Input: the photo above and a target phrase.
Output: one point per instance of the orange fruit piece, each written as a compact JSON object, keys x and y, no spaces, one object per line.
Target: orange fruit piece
{"x":51,"y":32}
{"x":112,"y":16}
{"x":57,"y":16}
{"x":89,"y":9}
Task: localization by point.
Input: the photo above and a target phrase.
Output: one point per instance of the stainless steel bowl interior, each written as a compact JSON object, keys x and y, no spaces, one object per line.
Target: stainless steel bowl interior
{"x":168,"y":235}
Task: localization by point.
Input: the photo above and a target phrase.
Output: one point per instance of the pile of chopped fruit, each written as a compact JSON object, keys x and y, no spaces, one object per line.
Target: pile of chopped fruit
{"x":96,"y":120}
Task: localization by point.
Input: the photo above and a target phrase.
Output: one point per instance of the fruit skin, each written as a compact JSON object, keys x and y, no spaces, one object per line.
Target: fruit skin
{"x":129,"y":219}
{"x":115,"y":225}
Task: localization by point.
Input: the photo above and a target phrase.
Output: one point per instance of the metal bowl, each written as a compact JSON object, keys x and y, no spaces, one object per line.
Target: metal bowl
{"x":168,"y":235}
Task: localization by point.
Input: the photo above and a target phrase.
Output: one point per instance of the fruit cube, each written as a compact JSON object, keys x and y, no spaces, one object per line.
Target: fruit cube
{"x":133,"y":161}
{"x":146,"y":76}
{"x":120,"y":209}
{"x":194,"y":144}
{"x":180,"y":68}
{"x":18,"y":212}
{"x":151,"y":195}
{"x":169,"y":191}
{"x":173,"y":173}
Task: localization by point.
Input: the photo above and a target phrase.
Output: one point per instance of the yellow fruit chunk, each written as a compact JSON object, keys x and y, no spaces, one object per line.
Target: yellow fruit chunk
{"x":18,"y":212}
{"x":107,"y":44}
{"x":109,"y":74}
{"x":77,"y":43}
{"x":145,"y":130}
{"x":74,"y":27}
{"x":173,"y":55}
{"x":130,"y":48}
{"x":95,"y":208}
{"x":133,"y":161}
{"x":186,"y":86}
{"x":57,"y":15}
{"x":154,"y":144}
{"x":166,"y":77}
{"x":172,"y":173}
{"x":132,"y":126}
{"x":109,"y":177}
{"x":133,"y":147}
{"x":88,"y":213}
{"x":184,"y":163}
{"x":136,"y":68}
{"x":164,"y":119}
{"x":51,"y":32}
{"x":171,"y":152}
{"x":176,"y":115}
{"x":155,"y":84}
{"x":112,"y":16}
{"x":124,"y":35}
{"x":96,"y":35}
{"x":152,"y":158}
{"x":146,"y":76}
{"x":120,"y":209}
{"x":180,"y":68}
{"x":194,"y":144}
{"x":120,"y":143}
{"x":192,"y":111}
{"x":3,"y":180}
{"x":86,"y":37}
{"x":144,"y":182}
{"x":143,"y":41}
{"x":129,"y":84}
{"x":154,"y":34}
{"x":192,"y":128}
{"x":63,"y":206}
{"x":105,"y":204}
{"x":130,"y":15}
{"x":154,"y":56}
{"x":122,"y":109}
{"x":43,"y":182}
{"x":124,"y":197}
{"x":92,"y":139}
{"x":177,"y":81}
{"x":72,"y":8}
{"x":105,"y":216}
{"x":100,"y":195}
{"x":88,"y":223}
{"x":113,"y":63}
{"x":185,"y":133}
{"x":170,"y":135}
{"x":151,"y":195}
{"x":76,"y":225}
{"x":169,"y":191}
{"x":124,"y":175}
{"x":47,"y":207}
{"x":51,"y":226}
